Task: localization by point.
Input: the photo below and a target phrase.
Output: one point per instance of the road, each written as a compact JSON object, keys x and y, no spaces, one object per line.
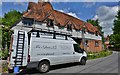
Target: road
{"x":107,"y":64}
{"x":104,"y":65}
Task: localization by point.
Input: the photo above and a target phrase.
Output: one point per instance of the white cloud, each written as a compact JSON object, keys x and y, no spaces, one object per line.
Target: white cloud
{"x":106,"y":16}
{"x":19,"y":3}
{"x":89,"y":4}
{"x":73,"y":14}
{"x":84,"y":0}
{"x":95,"y":17}
{"x":62,"y":0}
{"x":70,"y":13}
{"x":61,"y":10}
{"x":0,"y":2}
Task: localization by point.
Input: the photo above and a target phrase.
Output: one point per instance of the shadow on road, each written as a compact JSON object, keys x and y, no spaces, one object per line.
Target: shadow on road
{"x":34,"y":71}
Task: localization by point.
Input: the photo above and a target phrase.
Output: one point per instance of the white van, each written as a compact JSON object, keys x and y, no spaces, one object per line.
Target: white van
{"x":42,"y":49}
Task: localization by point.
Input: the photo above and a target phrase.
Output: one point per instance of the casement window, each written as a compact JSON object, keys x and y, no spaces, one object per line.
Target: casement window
{"x":77,"y":30}
{"x":86,"y":43}
{"x":59,"y":26}
{"x":50,"y":23}
{"x":84,"y":30}
{"x":27,"y":22}
{"x":91,"y":33}
{"x":69,"y":27}
{"x":96,"y":33}
{"x":96,"y":43}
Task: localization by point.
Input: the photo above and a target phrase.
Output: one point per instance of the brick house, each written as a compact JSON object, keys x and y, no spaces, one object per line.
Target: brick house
{"x":107,"y":42}
{"x":42,"y":16}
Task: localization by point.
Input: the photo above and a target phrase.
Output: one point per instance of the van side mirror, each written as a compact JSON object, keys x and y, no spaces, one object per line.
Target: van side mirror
{"x":81,"y":50}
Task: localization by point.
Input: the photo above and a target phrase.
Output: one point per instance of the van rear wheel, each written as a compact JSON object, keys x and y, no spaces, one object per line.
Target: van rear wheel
{"x":44,"y":67}
{"x":10,"y":70}
{"x":83,"y":61}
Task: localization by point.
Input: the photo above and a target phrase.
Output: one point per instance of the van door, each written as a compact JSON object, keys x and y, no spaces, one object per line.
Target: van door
{"x":67,"y":53}
{"x":77,"y":53}
{"x":18,"y":56}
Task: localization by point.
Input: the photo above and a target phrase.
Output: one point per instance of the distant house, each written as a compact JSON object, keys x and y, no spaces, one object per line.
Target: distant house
{"x":42,"y":16}
{"x":107,"y":42}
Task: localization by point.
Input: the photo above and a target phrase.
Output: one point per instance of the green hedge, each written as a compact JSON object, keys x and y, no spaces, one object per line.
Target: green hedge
{"x":3,"y":54}
{"x":104,"y":53}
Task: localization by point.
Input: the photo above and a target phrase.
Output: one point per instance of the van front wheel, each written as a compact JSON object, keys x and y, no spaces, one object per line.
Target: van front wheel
{"x":44,"y":67}
{"x":83,"y":61}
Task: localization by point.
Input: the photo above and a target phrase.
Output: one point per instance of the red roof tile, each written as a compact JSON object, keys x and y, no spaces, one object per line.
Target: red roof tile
{"x":42,"y":10}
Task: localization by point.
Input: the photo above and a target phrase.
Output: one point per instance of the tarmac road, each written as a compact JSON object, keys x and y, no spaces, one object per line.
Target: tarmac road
{"x":104,"y":65}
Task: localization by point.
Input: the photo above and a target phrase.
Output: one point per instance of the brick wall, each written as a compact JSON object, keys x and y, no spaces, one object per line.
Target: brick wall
{"x":93,"y":46}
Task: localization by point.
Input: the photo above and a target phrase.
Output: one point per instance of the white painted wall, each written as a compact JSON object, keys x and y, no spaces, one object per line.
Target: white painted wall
{"x":74,"y":33}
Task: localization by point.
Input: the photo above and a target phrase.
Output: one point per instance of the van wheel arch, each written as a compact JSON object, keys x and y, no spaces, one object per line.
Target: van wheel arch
{"x":46,"y":62}
{"x":83,"y":60}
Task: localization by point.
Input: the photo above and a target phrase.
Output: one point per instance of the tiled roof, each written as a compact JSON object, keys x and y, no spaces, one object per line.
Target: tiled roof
{"x":43,"y":10}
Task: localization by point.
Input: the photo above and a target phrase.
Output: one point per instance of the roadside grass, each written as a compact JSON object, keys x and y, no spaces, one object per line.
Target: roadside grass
{"x":4,"y":67}
{"x":95,"y":55}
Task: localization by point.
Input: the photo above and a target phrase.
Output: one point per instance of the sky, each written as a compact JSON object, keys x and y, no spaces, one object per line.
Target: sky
{"x":104,"y":11}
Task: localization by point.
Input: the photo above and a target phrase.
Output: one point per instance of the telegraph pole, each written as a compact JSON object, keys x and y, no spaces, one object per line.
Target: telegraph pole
{"x":83,"y":37}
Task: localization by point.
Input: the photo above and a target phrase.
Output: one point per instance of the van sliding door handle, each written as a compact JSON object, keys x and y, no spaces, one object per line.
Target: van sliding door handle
{"x":73,"y":52}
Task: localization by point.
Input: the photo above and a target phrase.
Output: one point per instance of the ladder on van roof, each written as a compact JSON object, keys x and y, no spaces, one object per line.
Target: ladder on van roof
{"x":20,"y":48}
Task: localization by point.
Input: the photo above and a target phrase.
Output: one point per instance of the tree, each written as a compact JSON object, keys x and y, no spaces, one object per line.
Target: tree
{"x":95,"y":23}
{"x":11,"y":17}
{"x":115,"y":37}
{"x":8,"y":20}
{"x":0,"y":20}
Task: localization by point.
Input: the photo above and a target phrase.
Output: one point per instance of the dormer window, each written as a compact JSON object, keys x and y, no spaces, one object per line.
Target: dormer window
{"x":84,"y":30}
{"x":50,"y":23}
{"x":69,"y":27}
{"x":27,"y":21}
{"x":96,"y":33}
{"x":77,"y":30}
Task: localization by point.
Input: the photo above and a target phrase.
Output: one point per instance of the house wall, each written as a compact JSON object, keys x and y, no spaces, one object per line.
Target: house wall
{"x":90,"y":37}
{"x":91,"y":47}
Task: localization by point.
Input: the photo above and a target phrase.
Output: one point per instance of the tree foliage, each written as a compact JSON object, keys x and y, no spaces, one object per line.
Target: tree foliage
{"x":11,"y":17}
{"x":8,"y":20}
{"x":115,"y":37}
{"x":0,"y":20}
{"x":95,"y":23}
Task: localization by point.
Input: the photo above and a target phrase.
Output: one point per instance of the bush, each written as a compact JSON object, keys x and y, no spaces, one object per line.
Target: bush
{"x":4,"y":66}
{"x":3,"y":54}
{"x":0,"y":54}
{"x":104,"y":53}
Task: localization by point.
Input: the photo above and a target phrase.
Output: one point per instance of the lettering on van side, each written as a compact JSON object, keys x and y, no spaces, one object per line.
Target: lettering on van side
{"x":46,"y":47}
{"x":46,"y":54}
{"x":66,"y":53}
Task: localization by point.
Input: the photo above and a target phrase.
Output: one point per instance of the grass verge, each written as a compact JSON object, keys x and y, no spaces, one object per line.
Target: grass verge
{"x":94,"y":55}
{"x":4,"y":67}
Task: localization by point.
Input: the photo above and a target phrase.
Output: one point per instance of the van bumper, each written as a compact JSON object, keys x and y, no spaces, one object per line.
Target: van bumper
{"x":33,"y":64}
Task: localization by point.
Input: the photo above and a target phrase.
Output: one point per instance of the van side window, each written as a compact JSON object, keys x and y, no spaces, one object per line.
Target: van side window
{"x":77,"y":48}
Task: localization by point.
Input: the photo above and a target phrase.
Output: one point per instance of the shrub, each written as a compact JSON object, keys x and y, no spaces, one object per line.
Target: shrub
{"x":104,"y":53}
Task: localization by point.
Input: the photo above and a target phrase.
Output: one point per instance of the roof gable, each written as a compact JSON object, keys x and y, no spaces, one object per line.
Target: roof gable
{"x":42,"y":11}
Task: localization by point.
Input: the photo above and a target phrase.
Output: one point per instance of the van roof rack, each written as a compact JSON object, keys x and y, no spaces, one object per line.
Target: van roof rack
{"x":51,"y":32}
